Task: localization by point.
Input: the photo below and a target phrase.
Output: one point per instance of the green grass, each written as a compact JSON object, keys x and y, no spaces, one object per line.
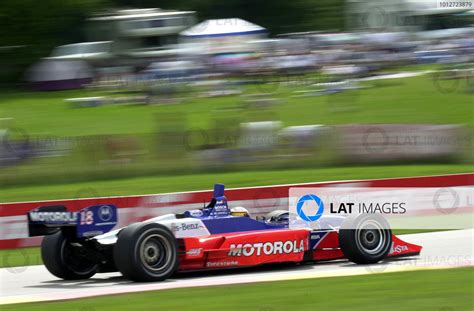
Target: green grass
{"x":436,"y":290}
{"x":19,"y":257}
{"x":162,"y":184}
{"x":47,"y":115}
{"x":410,"y":100}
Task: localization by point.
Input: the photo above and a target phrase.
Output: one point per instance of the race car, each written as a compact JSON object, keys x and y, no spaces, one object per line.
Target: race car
{"x":78,"y":245}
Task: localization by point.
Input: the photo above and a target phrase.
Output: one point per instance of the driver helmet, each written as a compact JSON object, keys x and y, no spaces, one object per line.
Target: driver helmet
{"x":239,"y":212}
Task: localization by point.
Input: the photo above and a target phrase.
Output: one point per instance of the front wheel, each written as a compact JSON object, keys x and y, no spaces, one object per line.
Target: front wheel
{"x":365,"y":238}
{"x":146,"y":252}
{"x":65,"y":259}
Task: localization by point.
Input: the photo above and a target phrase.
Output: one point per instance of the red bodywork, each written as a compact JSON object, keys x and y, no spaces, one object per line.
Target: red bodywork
{"x":273,"y":246}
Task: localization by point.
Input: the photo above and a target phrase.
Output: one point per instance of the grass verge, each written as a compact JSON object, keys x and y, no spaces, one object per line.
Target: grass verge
{"x":433,"y":290}
{"x":162,"y":184}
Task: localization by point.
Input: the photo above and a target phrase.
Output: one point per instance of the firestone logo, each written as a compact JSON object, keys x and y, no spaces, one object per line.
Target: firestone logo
{"x":268,"y":248}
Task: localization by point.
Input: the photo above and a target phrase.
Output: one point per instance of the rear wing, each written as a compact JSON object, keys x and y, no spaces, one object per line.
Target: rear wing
{"x":88,"y":222}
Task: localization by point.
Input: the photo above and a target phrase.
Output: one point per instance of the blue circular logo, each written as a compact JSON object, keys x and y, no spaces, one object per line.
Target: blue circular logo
{"x":105,"y":213}
{"x":310,"y":197}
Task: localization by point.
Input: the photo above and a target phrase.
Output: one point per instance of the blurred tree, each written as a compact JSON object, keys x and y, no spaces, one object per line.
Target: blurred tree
{"x":29,"y":29}
{"x":278,"y":16}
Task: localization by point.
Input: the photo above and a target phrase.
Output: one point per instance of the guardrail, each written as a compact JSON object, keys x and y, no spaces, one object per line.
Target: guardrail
{"x":258,"y":200}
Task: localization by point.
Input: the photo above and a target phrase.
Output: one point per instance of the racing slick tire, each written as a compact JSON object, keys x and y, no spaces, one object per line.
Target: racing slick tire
{"x":65,"y":259}
{"x":365,"y":238}
{"x":146,"y":252}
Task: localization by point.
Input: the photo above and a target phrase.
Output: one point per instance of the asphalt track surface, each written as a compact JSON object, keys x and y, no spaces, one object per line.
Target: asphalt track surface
{"x":441,"y":250}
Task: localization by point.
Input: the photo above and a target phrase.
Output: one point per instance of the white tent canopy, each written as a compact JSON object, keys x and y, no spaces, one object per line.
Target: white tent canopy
{"x":222,"y":27}
{"x":58,"y":70}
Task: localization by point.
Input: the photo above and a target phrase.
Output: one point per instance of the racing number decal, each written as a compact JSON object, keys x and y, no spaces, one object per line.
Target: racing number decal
{"x":87,"y":217}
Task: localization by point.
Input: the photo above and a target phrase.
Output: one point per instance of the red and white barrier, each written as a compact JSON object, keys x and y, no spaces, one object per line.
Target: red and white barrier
{"x":258,"y":200}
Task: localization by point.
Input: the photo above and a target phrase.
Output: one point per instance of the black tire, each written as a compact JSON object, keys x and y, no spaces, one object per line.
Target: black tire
{"x":146,"y":252}
{"x":65,"y":260}
{"x":365,"y":238}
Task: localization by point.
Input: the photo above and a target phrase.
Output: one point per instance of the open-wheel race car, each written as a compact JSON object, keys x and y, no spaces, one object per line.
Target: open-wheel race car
{"x":78,"y":245}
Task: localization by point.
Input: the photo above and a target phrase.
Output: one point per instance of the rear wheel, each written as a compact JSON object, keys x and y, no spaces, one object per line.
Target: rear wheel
{"x":66,"y":259}
{"x":365,"y":239}
{"x":146,"y":252}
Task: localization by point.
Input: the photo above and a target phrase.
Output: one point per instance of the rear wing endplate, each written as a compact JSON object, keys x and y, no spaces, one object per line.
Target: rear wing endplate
{"x":88,"y":222}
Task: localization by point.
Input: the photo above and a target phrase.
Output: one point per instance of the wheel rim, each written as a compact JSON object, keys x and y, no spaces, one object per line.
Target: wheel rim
{"x":155,"y":252}
{"x":73,"y":257}
{"x":371,"y":238}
